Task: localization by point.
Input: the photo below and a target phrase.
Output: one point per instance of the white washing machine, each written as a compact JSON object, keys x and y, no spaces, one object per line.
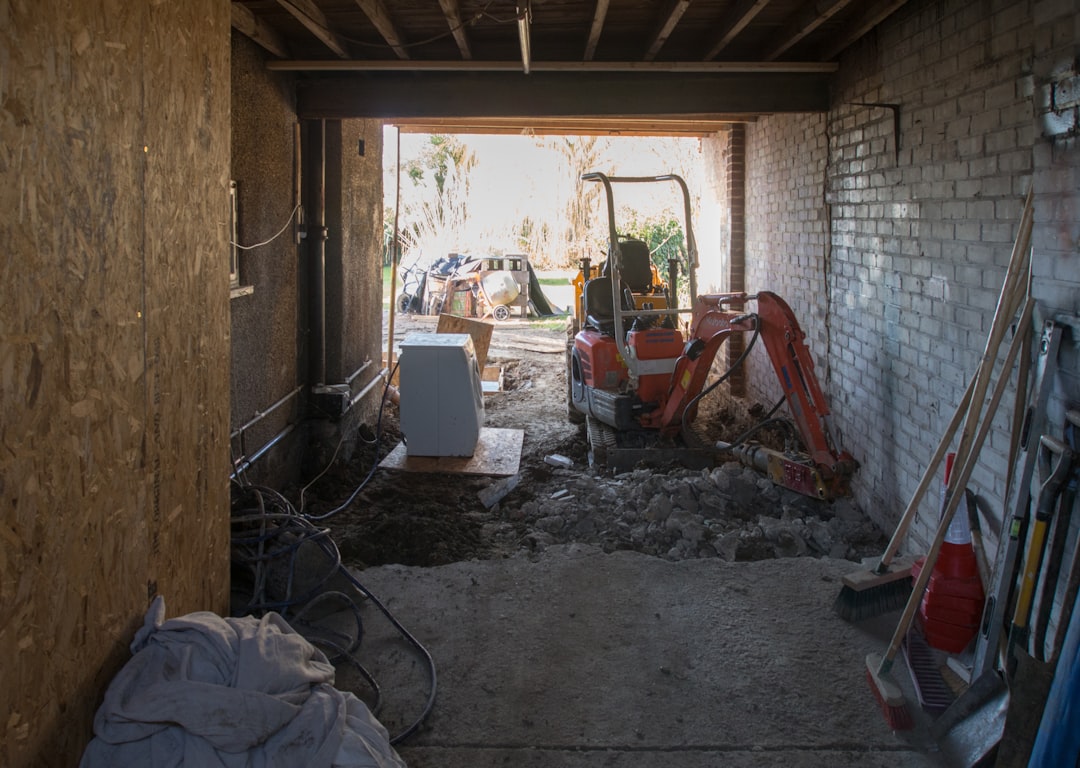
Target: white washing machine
{"x":442,"y":399}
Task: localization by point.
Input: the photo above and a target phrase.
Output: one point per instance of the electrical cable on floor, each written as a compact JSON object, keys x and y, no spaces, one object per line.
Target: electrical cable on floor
{"x":375,"y":458}
{"x":269,"y":541}
{"x":325,"y":469}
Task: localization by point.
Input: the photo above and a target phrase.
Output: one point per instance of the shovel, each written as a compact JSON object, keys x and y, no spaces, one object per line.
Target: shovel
{"x":970,"y":729}
{"x":1030,"y":679}
{"x":975,"y":724}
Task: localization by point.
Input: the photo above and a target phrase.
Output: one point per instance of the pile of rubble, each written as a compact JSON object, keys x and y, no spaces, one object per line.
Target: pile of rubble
{"x":731,"y":512}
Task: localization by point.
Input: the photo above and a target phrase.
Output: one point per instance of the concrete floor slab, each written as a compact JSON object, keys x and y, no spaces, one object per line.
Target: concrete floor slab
{"x":580,"y":658}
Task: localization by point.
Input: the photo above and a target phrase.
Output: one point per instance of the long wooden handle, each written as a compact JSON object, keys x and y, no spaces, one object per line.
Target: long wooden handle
{"x":928,"y":475}
{"x":1008,"y":302}
{"x":1010,"y":298}
{"x":961,"y":477}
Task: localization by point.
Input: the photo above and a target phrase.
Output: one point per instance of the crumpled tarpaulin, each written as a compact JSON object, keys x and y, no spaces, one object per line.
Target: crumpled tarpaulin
{"x":206,"y":691}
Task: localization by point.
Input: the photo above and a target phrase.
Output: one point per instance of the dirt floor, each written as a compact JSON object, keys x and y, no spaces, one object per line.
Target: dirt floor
{"x":660,"y":616}
{"x":667,"y":510}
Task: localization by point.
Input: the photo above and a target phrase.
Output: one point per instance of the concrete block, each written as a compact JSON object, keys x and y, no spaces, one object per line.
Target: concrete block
{"x":1015,"y":162}
{"x":1017,"y":114}
{"x":985,"y":122}
{"x":982,"y":256}
{"x":1001,"y":141}
{"x":1004,"y":44}
{"x":983,"y":166}
{"x":967,"y":230}
{"x":998,"y":232}
{"x":980,"y":209}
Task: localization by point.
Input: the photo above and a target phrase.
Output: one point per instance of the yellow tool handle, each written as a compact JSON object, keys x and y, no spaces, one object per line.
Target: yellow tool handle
{"x":1048,"y":493}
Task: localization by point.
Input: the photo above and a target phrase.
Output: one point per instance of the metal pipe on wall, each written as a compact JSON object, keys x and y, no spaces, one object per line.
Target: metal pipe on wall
{"x":363,"y":367}
{"x":380,"y":376}
{"x":394,"y":256}
{"x":260,"y":415}
{"x":242,"y":465}
{"x":317,"y":256}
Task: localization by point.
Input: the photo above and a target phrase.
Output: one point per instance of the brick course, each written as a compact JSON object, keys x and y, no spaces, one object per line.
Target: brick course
{"x":894,"y":268}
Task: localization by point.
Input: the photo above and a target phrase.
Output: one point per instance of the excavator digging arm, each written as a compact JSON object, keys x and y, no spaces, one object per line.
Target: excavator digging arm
{"x":713,"y":325}
{"x":785,"y":344}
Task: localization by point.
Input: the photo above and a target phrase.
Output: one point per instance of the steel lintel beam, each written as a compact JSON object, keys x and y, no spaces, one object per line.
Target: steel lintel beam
{"x":389,"y":94}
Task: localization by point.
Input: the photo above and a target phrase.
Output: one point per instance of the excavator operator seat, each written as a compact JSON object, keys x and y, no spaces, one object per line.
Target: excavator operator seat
{"x":599,"y":309}
{"x":635,"y":269}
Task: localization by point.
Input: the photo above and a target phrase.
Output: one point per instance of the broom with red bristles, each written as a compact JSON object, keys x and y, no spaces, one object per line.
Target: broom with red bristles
{"x":1013,"y":292}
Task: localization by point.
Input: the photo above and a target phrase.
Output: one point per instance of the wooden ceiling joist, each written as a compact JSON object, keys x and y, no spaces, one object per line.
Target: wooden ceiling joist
{"x":584,"y":67}
{"x":247,"y":23}
{"x":308,"y":14}
{"x":595,"y":29}
{"x":376,"y":11}
{"x":736,"y":22}
{"x":869,"y":19}
{"x":691,"y":126}
{"x":452,"y":11}
{"x":808,"y":18}
{"x":666,"y":27}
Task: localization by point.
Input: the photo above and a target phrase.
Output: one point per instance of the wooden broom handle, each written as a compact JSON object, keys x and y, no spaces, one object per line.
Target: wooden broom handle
{"x":954,"y":498}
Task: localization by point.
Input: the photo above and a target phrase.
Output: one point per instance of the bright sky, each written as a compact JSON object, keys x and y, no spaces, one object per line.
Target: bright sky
{"x":514,"y":177}
{"x":512,"y":172}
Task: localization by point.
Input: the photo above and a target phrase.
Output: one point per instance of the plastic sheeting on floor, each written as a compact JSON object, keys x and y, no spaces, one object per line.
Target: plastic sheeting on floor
{"x":202,"y":690}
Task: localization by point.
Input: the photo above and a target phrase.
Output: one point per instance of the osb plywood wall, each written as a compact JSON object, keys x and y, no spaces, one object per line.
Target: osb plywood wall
{"x":114,"y":150}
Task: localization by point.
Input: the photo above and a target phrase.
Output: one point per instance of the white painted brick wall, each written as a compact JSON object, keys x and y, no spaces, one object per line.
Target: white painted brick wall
{"x":911,"y":272}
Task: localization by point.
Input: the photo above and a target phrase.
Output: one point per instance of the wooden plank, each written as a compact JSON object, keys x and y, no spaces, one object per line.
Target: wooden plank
{"x":308,"y":14}
{"x":654,"y":126}
{"x":247,"y":23}
{"x":735,"y":23}
{"x":376,"y":11}
{"x":477,"y":329}
{"x":662,"y":34}
{"x":491,"y":379}
{"x":452,"y":10}
{"x":114,"y":347}
{"x":596,"y":28}
{"x":869,"y":19}
{"x":498,"y":453}
{"x":803,"y":22}
{"x":707,"y":67}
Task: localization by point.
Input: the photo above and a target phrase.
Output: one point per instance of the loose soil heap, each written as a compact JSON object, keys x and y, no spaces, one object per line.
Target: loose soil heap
{"x":728,"y":511}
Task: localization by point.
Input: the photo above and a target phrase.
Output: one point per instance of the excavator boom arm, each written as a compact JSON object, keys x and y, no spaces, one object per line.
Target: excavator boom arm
{"x":785,"y":344}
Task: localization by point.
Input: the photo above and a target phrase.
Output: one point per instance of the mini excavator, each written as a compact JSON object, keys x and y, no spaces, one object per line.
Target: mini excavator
{"x":636,"y":372}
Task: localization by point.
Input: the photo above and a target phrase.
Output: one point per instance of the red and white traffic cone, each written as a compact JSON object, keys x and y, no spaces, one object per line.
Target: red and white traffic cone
{"x":951,"y":608}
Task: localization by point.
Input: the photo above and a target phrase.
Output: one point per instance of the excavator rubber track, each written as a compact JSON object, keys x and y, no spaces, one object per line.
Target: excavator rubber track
{"x":623,"y":451}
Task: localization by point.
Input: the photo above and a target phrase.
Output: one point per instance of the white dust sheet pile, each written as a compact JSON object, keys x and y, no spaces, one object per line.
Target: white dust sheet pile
{"x":202,"y":690}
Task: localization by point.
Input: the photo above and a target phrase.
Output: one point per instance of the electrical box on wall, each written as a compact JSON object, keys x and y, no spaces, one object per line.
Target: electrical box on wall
{"x":442,"y":401}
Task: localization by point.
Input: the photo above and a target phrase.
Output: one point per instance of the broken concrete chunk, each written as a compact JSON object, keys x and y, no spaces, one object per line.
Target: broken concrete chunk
{"x":495,"y":492}
{"x":558,"y":460}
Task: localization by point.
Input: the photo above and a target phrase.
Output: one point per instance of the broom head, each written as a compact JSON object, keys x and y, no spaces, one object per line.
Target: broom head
{"x":888,"y":695}
{"x":875,"y":591}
